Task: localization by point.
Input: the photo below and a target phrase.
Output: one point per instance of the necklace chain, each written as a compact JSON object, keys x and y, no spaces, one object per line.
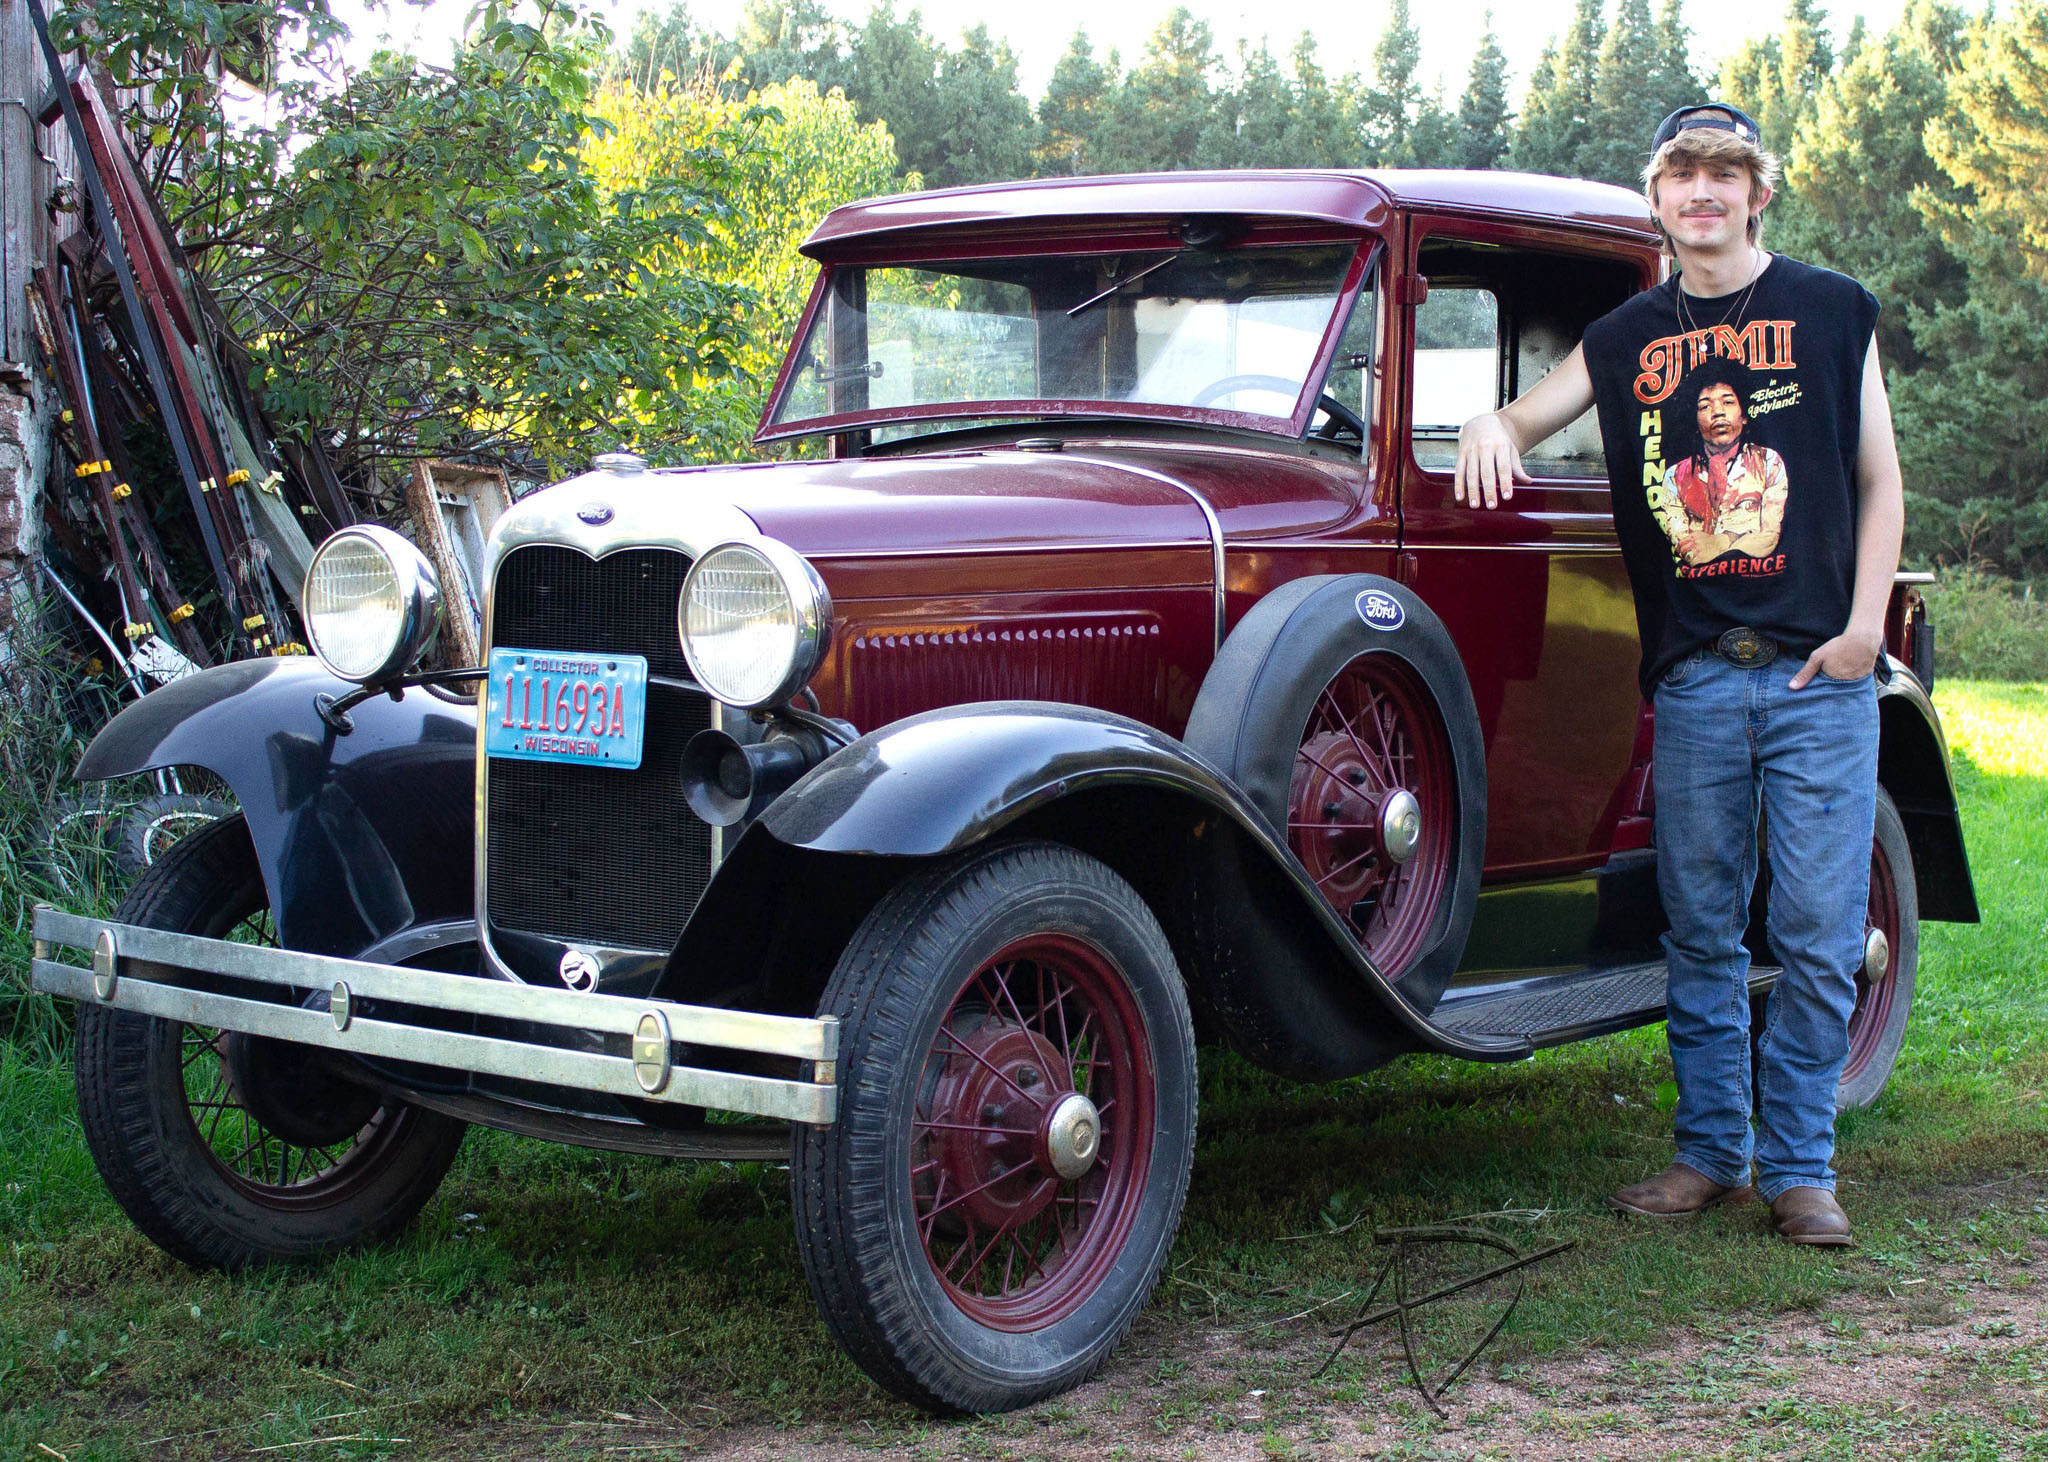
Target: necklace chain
{"x":1735,"y":311}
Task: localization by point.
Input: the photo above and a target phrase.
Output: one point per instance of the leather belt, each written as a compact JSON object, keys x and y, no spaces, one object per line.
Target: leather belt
{"x":1745,"y":648}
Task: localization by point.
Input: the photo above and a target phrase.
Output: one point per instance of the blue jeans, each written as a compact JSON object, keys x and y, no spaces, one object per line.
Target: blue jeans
{"x":1729,"y":742}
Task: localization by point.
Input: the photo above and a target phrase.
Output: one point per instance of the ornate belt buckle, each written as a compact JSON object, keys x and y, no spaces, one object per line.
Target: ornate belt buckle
{"x":1745,"y":649}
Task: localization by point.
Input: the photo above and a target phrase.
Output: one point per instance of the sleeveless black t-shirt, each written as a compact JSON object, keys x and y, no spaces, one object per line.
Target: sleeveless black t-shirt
{"x":1730,"y":432}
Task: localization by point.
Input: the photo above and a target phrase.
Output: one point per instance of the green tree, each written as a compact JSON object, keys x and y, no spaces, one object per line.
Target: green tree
{"x":1977,"y":448}
{"x":893,"y":77}
{"x":795,"y":154}
{"x":1483,"y":113}
{"x":1071,"y":111}
{"x":781,"y":39}
{"x":1395,"y":99}
{"x":1669,"y":78}
{"x":670,"y":41}
{"x":1159,"y":115}
{"x":1626,"y":111}
{"x":1859,"y":164}
{"x":1255,"y":117}
{"x":1324,"y":122}
{"x":1556,"y":117}
{"x":984,"y":132}
{"x":417,"y":257}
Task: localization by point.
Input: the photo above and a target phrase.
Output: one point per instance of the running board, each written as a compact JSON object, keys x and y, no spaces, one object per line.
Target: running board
{"x":1554,"y":1009}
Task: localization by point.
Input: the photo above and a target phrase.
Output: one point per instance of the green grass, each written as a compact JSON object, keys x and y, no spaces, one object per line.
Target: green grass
{"x":554,"y":1300}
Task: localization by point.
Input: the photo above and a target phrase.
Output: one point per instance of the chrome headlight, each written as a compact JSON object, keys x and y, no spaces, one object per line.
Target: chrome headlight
{"x":373,"y":603}
{"x":753,"y":619}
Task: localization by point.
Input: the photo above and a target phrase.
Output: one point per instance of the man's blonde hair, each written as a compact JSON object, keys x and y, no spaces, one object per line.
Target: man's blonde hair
{"x":1705,"y":146}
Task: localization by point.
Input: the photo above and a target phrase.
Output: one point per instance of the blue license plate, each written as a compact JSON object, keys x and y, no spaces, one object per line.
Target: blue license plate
{"x":560,"y":706}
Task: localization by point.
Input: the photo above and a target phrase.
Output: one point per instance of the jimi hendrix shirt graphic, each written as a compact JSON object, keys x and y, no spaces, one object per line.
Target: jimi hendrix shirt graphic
{"x":1730,"y":427}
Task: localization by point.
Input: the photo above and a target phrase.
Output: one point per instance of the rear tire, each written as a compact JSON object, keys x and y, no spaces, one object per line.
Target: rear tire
{"x":175,"y":1114}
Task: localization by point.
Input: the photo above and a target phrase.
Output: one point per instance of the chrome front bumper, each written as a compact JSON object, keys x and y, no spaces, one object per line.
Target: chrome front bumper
{"x":187,"y":978}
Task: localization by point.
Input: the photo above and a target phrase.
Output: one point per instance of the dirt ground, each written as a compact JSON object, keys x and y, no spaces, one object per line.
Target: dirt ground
{"x":1951,"y":1363}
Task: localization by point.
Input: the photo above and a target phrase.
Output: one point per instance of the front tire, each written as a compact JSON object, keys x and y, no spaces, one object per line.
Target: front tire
{"x":228,"y":1150}
{"x":1016,"y":1126}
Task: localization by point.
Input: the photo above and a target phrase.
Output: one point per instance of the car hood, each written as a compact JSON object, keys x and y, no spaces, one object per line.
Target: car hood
{"x":1086,"y":496}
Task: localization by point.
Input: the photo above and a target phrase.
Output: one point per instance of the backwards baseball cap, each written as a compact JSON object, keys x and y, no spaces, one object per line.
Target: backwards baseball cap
{"x":1716,"y":116}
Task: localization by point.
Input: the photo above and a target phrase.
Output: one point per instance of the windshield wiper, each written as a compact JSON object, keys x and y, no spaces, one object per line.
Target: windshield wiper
{"x":1152,"y":268}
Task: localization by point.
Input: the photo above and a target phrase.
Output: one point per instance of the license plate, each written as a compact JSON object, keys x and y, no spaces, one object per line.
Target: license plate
{"x":554,"y":705}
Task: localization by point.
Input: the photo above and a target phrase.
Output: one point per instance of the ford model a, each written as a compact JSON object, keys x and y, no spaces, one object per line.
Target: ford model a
{"x":1118,"y":653}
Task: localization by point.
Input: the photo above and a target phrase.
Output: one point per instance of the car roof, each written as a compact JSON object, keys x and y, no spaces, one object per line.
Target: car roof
{"x":1361,"y":199}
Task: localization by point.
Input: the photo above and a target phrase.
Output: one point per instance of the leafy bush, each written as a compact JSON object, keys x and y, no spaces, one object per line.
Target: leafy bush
{"x":1988,"y":628}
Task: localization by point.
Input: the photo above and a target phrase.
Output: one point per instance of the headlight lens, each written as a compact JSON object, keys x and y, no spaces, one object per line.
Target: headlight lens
{"x":372,"y":602}
{"x":753,"y":619}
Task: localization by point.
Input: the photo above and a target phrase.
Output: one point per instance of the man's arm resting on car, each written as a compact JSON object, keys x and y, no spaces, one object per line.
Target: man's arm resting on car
{"x":1490,"y":445}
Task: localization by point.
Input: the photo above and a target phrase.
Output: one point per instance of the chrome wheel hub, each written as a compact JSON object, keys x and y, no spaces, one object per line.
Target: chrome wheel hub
{"x":1877,"y":953}
{"x":1073,"y":1135}
{"x":1400,"y":825}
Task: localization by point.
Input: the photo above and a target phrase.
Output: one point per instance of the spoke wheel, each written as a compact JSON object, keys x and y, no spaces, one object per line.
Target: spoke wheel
{"x":1884,"y":981}
{"x":1014,"y":1232}
{"x":988,"y":1214}
{"x":229,"y":1150}
{"x":1369,"y":807}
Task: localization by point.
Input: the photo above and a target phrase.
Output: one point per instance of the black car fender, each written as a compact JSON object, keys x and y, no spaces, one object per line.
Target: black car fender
{"x":1913,"y":765}
{"x":360,"y":835}
{"x":1286,"y":984}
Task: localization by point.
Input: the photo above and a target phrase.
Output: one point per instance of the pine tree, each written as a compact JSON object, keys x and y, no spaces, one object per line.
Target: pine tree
{"x":1977,"y":447}
{"x":1670,"y":78}
{"x":1625,"y":111}
{"x":1323,"y":128}
{"x":1556,"y":117}
{"x":893,"y":77}
{"x":984,"y":132}
{"x":779,"y":40}
{"x":1252,"y":121}
{"x":1483,"y":114}
{"x":1160,"y":113}
{"x":1392,"y":105}
{"x":1071,"y":111}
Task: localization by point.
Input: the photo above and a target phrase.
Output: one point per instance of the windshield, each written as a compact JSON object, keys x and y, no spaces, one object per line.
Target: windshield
{"x":1235,"y":332}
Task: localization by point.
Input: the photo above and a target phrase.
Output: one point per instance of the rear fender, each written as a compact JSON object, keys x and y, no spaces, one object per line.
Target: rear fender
{"x":1913,"y":765}
{"x":1288,"y":985}
{"x":360,"y":835}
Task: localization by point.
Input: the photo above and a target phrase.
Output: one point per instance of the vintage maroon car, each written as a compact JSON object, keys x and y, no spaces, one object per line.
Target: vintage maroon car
{"x":1112,"y":664}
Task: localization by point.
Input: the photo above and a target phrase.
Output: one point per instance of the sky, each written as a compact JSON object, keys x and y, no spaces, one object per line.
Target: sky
{"x":1345,"y":31}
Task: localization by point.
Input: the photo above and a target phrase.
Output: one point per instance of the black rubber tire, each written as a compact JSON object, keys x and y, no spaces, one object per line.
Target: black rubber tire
{"x":136,"y":1107}
{"x":1255,"y":703}
{"x":872,"y":1273}
{"x":1865,"y":1079}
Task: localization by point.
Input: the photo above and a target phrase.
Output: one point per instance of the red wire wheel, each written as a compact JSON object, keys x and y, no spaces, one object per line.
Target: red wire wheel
{"x":1023,"y":1195}
{"x":1370,"y":807}
{"x":997,"y":1196}
{"x":1885,"y":978}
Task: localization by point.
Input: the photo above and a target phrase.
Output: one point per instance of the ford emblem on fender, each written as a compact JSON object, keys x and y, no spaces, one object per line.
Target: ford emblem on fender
{"x":1380,"y":610}
{"x":579,"y":970}
{"x":595,"y":513}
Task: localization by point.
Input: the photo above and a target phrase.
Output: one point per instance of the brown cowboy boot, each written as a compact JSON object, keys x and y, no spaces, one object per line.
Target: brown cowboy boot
{"x":1810,"y":1216}
{"x":1677,"y":1192}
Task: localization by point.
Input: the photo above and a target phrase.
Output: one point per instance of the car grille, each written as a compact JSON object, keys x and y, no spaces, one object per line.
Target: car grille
{"x":595,"y":855}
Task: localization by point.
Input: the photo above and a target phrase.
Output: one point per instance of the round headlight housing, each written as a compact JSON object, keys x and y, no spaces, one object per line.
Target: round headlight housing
{"x":753,"y":618}
{"x":372,"y":603}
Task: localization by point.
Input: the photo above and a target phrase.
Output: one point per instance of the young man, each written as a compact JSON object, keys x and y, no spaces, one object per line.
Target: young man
{"x":1757,"y":497}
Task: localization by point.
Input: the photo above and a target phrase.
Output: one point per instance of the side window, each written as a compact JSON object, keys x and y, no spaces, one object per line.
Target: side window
{"x":1457,"y":365}
{"x":1498,"y":318}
